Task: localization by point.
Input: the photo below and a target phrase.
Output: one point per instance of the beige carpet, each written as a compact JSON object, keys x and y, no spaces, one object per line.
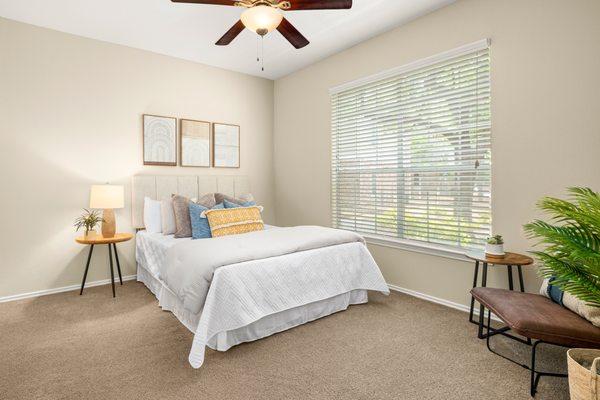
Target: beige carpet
{"x":95,"y":347}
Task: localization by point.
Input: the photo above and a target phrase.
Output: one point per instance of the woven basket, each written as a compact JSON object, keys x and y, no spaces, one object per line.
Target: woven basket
{"x":584,"y":365}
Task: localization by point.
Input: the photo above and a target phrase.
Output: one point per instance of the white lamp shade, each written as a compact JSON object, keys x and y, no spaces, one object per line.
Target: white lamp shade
{"x":261,"y":17}
{"x":107,"y":196}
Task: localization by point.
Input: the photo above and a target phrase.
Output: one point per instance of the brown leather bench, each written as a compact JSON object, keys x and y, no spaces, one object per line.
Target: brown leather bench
{"x":537,"y":318}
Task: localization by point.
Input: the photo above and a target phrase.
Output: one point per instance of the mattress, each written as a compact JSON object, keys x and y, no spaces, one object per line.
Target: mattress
{"x":151,"y":255}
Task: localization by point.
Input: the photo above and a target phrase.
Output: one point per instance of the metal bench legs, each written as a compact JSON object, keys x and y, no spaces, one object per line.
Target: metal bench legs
{"x":535,"y":375}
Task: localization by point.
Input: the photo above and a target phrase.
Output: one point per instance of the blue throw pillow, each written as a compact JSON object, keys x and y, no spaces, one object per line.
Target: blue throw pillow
{"x":229,"y":204}
{"x":555,"y":293}
{"x":200,"y":226}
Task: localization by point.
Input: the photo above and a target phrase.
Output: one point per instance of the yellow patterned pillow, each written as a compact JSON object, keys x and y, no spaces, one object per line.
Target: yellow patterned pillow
{"x":233,"y":221}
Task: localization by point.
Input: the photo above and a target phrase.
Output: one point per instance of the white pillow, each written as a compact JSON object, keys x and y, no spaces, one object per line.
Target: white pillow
{"x":167,"y":214}
{"x":152,"y":218}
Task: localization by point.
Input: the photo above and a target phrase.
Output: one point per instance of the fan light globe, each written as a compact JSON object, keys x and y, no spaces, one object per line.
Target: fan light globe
{"x":261,"y":19}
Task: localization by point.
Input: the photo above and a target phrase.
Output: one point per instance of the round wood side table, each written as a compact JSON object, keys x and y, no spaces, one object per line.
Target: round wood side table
{"x":509,"y":260}
{"x":112,"y":244}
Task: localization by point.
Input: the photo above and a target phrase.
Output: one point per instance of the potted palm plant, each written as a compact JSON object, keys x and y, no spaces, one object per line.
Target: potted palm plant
{"x":572,"y":257}
{"x":572,"y":240}
{"x":88,"y":220}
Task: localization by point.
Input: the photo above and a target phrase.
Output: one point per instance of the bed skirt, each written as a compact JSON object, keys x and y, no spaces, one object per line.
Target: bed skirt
{"x":264,"y":327}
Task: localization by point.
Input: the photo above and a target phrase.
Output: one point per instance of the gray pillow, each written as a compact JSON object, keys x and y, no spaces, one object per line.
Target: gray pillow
{"x":220,"y":197}
{"x":181,"y":207}
{"x":208,"y":200}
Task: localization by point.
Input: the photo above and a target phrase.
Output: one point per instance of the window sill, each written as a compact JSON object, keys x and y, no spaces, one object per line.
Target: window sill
{"x":417,"y":247}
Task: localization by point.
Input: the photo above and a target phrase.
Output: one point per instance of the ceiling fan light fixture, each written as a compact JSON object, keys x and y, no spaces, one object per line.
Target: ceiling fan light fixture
{"x":262,"y":19}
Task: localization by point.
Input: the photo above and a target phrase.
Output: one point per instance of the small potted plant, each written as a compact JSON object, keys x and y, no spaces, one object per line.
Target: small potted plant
{"x":494,"y":246}
{"x":88,"y":220}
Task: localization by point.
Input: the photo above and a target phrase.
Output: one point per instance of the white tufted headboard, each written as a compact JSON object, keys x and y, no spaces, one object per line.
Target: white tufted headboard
{"x":161,"y":187}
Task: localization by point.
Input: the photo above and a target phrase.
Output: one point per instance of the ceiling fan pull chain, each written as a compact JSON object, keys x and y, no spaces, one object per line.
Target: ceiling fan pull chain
{"x":257,"y":50}
{"x":262,"y":52}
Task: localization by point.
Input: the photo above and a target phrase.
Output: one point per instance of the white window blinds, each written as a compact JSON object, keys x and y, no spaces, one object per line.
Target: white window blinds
{"x":411,"y":152}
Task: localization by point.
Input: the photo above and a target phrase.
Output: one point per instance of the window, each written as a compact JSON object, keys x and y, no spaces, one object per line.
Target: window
{"x":411,"y":152}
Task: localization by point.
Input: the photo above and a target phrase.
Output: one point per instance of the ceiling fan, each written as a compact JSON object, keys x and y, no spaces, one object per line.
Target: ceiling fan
{"x":264,"y":16}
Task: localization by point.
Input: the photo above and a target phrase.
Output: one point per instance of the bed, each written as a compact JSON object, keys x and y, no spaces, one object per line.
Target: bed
{"x":241,"y":288}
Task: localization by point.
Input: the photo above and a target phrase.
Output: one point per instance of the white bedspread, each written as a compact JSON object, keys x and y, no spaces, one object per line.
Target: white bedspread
{"x":244,"y":292}
{"x":192,"y":264}
{"x":235,"y":281}
{"x":152,"y":249}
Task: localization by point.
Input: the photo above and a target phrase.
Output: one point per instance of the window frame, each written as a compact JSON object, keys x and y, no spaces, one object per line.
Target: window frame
{"x":442,"y":250}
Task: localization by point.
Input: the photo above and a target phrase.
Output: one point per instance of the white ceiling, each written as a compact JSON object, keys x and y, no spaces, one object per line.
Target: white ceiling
{"x":188,"y":31}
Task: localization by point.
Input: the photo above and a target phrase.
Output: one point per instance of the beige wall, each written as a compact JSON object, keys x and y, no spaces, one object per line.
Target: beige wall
{"x":70,"y":117}
{"x":545,"y":61}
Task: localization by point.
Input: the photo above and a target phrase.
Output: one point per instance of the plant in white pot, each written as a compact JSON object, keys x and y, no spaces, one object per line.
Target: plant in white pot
{"x":494,"y":246}
{"x":88,"y":220}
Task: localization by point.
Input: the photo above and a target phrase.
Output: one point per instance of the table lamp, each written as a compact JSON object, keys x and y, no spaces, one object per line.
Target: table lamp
{"x":107,"y":197}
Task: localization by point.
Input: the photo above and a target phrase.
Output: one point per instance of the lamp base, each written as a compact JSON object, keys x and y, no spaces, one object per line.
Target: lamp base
{"x":109,"y":227}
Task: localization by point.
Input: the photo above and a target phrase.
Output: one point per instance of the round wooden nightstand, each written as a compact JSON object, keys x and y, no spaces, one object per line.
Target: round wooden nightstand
{"x":510,"y":260}
{"x":112,"y":244}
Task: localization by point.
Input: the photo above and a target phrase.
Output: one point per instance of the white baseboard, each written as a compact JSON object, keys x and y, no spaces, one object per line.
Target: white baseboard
{"x":437,"y":300}
{"x":61,"y":289}
{"x":413,"y":293}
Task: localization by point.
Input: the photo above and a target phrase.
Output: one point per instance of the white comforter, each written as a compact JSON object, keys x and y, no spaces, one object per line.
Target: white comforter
{"x":237,"y":280}
{"x":191,"y":264}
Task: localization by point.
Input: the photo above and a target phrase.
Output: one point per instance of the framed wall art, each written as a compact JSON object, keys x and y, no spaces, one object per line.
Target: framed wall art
{"x":195,"y":143}
{"x":160,"y":140}
{"x":226,"y":142}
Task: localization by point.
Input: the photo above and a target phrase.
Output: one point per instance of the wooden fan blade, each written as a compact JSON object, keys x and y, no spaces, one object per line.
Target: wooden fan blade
{"x":320,"y":4}
{"x":214,"y":2}
{"x":291,"y":34}
{"x":231,"y":34}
